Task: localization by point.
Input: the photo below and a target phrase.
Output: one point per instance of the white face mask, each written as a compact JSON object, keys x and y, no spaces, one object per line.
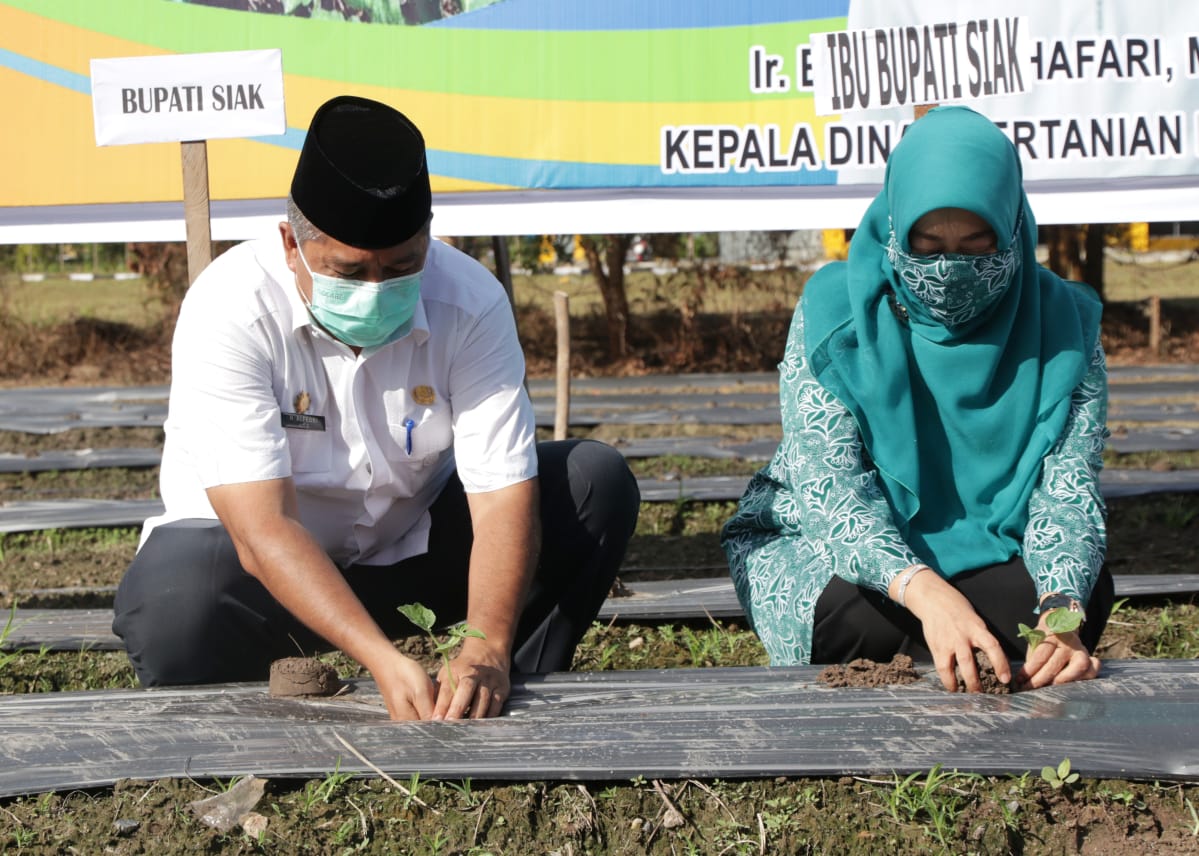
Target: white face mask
{"x":359,"y":313}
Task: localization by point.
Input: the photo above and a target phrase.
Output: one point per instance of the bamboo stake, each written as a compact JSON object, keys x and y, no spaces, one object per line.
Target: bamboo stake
{"x":1155,"y":326}
{"x":562,"y":389}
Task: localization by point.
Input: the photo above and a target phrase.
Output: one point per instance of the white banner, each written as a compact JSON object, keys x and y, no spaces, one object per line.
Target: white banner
{"x":201,"y":96}
{"x":1110,"y":90}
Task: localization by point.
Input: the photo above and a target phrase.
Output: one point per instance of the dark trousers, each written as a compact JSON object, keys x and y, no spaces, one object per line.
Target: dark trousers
{"x":189,"y":613}
{"x":851,"y":621}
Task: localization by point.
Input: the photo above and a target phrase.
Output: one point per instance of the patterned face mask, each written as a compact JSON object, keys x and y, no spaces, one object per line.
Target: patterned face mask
{"x":955,"y":289}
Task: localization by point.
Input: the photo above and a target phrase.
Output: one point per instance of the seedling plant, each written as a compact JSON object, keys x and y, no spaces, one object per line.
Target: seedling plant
{"x":1059,"y":777}
{"x":425,"y":619}
{"x":1057,"y":621}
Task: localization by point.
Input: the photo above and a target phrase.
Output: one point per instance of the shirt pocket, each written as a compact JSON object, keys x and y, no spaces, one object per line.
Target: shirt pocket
{"x":422,"y":437}
{"x":311,"y":451}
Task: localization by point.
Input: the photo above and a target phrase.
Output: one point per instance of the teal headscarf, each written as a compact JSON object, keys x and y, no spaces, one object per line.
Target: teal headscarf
{"x":957,"y":417}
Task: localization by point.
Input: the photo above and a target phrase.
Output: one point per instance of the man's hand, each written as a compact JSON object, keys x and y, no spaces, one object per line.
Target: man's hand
{"x":406,"y":688}
{"x":952,"y":631}
{"x":481,"y":684}
{"x":1059,"y":659}
{"x":502,"y":560}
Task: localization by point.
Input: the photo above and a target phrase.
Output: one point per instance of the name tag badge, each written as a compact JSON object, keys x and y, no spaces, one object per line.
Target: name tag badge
{"x":303,"y":421}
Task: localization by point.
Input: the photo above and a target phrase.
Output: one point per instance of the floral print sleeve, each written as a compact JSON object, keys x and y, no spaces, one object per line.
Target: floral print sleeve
{"x":1066,"y":538}
{"x":813,"y":512}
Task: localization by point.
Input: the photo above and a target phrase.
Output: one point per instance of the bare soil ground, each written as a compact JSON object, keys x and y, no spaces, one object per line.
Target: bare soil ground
{"x":937,"y":811}
{"x":86,"y":351}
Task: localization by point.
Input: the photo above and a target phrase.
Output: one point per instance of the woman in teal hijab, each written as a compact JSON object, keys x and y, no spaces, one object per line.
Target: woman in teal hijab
{"x":944,"y":407}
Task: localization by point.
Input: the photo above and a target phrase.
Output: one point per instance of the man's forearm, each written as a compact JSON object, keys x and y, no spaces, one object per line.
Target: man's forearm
{"x":507,"y":541}
{"x":280,"y":553}
{"x":298,"y":573}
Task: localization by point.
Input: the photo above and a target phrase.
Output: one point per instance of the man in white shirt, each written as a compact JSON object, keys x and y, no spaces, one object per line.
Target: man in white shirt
{"x":348,"y":431}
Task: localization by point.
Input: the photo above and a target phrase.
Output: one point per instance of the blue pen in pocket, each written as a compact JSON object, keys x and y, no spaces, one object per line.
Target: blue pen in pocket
{"x":409,"y":424}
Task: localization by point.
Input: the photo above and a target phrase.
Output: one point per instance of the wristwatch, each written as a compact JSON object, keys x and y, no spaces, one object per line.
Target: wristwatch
{"x":1062,"y":601}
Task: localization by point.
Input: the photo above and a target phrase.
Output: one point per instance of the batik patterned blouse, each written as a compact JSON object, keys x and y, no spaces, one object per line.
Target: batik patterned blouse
{"x":816,"y":510}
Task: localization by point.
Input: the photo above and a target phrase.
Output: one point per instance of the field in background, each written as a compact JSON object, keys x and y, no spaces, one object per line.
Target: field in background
{"x":58,"y":298}
{"x":713,"y":290}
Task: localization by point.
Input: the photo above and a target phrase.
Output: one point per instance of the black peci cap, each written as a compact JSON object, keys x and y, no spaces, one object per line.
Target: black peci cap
{"x":362,"y":177}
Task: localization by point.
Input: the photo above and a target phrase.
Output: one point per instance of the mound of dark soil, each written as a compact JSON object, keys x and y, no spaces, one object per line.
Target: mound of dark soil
{"x":303,"y":676}
{"x":867,"y":673}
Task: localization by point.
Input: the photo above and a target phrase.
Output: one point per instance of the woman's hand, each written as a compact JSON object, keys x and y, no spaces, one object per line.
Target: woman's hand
{"x":952,"y":631}
{"x":1059,"y":659}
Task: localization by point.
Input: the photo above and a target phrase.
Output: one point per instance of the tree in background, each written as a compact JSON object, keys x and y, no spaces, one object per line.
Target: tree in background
{"x":1076,"y":252}
{"x":606,"y":256}
{"x":164,"y":267}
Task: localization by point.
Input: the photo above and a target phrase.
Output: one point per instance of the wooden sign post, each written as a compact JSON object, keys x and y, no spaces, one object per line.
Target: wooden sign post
{"x":195,"y":207}
{"x":189,"y":99}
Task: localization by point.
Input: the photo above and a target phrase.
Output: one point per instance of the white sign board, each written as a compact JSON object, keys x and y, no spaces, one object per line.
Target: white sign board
{"x":184,"y":97}
{"x":902,"y":66}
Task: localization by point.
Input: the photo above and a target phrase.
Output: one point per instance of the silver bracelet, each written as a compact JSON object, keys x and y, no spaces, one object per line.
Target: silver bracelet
{"x":907,"y":578}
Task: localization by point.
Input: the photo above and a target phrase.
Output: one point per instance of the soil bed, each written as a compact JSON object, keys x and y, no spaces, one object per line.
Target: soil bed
{"x":934,"y":811}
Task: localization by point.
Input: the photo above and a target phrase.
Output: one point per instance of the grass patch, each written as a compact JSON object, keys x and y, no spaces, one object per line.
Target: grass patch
{"x":115,"y":437}
{"x":695,"y":644}
{"x":683,"y":518}
{"x":98,"y":483}
{"x":63,"y":671}
{"x":332,"y":814}
{"x":86,"y":558}
{"x":679,"y":466}
{"x":61,"y":543}
{"x":58,"y":298}
{"x":1151,"y":460}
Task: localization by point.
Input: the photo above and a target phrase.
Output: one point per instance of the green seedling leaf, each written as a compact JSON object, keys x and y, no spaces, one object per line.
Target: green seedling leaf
{"x":1031,"y":636}
{"x":1063,"y":621}
{"x":1060,"y":776}
{"x":420,"y":615}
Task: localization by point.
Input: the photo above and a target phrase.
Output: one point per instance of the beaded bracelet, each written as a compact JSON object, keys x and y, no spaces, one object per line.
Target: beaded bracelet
{"x":905,"y":579}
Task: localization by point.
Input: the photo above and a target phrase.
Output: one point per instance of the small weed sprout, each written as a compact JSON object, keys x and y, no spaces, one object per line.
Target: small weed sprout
{"x":937,"y":799}
{"x":1057,"y":620}
{"x":414,"y":785}
{"x":9,"y":626}
{"x":323,"y":790}
{"x":425,"y":618}
{"x":1059,"y":777}
{"x":225,"y":786}
{"x":1194,"y":816}
{"x":465,"y":791}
